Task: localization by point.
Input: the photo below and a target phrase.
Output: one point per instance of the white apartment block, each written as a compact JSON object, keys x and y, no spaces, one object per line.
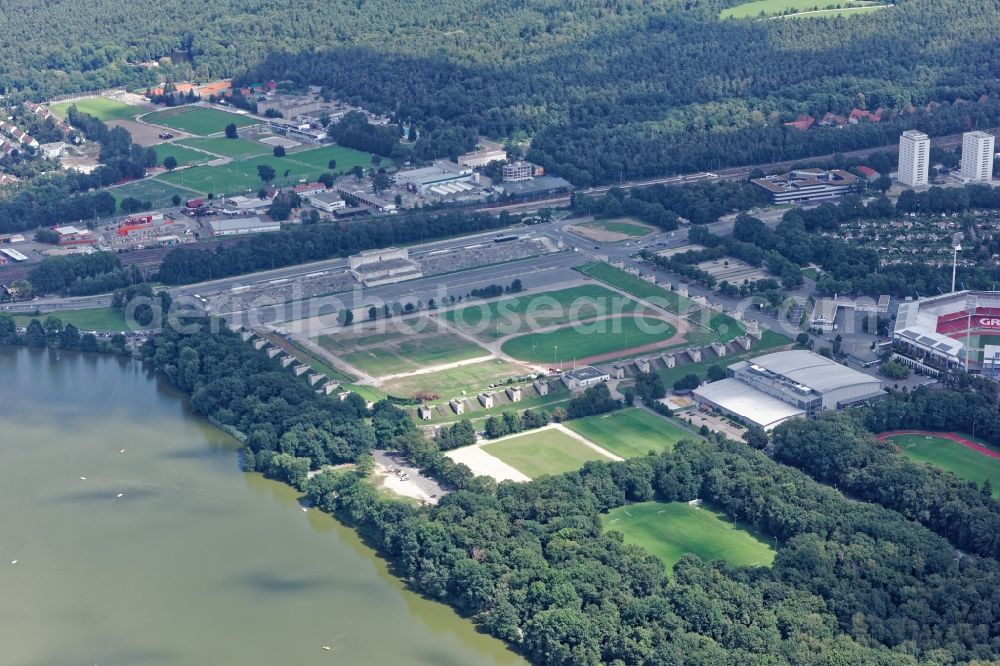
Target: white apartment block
{"x":914,"y":158}
{"x":977,"y":157}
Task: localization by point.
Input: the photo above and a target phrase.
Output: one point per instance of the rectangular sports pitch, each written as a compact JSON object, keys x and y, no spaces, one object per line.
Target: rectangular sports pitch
{"x":630,"y":432}
{"x":581,"y":341}
{"x":951,"y":456}
{"x":101,"y":108}
{"x":197,"y":120}
{"x":447,"y":384}
{"x":543,"y":452}
{"x":183,"y":155}
{"x":153,"y":190}
{"x":232,"y":148}
{"x":670,"y":530}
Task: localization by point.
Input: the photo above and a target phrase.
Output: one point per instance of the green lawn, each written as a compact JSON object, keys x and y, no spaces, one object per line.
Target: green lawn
{"x":770,"y":340}
{"x":545,"y":452}
{"x":636,"y":286}
{"x":625,"y":226}
{"x":447,"y":384}
{"x":347,"y":158}
{"x":153,"y":190}
{"x":197,"y":120}
{"x":669,"y":531}
{"x":97,"y":319}
{"x":223,"y":147}
{"x":319,"y":364}
{"x":475,"y":412}
{"x":963,"y":462}
{"x":414,"y":353}
{"x":630,"y":432}
{"x":589,"y":339}
{"x":720,"y":327}
{"x":183,"y":155}
{"x":101,"y":108}
{"x":778,"y":7}
{"x":204,"y":179}
{"x":514,"y":315}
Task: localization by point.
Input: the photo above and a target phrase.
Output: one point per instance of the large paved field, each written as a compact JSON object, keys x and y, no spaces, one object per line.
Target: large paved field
{"x":668,"y":531}
{"x":197,"y":119}
{"x":949,"y":455}
{"x":507,"y":316}
{"x":630,"y":432}
{"x":101,"y":108}
{"x":544,"y":452}
{"x":447,"y":384}
{"x":153,"y":190}
{"x":583,"y":341}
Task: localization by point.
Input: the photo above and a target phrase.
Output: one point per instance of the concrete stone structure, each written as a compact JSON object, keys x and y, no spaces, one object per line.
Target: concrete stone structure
{"x":642,"y":364}
{"x":719,"y":348}
{"x":514,"y":393}
{"x":694,"y":355}
{"x":486,"y":399}
{"x":669,"y":360}
{"x":425,"y":413}
{"x":457,"y":406}
{"x":541,"y":386}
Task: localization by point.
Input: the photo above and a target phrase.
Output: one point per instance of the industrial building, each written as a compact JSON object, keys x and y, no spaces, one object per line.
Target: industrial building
{"x":535,"y":188}
{"x":482,"y":158}
{"x":70,"y":235}
{"x":977,"y":157}
{"x":808,"y":185}
{"x":956,"y":330}
{"x":289,"y":106}
{"x":770,"y":389}
{"x":327,"y":201}
{"x":518,"y":172}
{"x":242,"y":225}
{"x":581,"y":378}
{"x":914,"y":158}
{"x":442,"y":178}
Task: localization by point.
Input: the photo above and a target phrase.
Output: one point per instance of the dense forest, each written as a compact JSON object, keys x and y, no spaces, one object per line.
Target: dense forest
{"x":606,"y":90}
{"x":529,"y":562}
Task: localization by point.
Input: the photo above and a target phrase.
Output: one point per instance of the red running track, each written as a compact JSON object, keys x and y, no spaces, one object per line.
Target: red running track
{"x":944,"y":435}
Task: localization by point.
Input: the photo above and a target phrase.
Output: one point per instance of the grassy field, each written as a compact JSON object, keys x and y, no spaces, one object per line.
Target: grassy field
{"x":760,"y":8}
{"x":241,"y":175}
{"x":770,"y":340}
{"x":197,"y":120}
{"x":510,"y":315}
{"x":347,"y":158}
{"x":668,"y":531}
{"x":183,"y":155}
{"x":950,"y":456}
{"x":447,"y":384}
{"x":317,"y":363}
{"x":153,"y":190}
{"x":630,"y":432}
{"x":722,"y":328}
{"x":477,"y":413}
{"x":589,"y":339}
{"x":636,"y":286}
{"x":414,"y":353}
{"x":101,"y":108}
{"x":223,"y":147}
{"x":546,"y":452}
{"x":97,"y":319}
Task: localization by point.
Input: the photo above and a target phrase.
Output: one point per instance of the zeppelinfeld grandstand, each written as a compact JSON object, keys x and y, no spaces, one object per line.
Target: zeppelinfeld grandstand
{"x":956,"y":330}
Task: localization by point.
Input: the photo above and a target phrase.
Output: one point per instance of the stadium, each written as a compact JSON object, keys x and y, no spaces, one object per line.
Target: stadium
{"x":956,"y":330}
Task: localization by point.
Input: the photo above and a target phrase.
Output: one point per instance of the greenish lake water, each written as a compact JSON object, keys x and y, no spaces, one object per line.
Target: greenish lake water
{"x":196,"y":563}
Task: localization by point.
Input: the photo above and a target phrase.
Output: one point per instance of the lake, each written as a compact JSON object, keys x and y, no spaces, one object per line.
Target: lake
{"x":196,"y":562}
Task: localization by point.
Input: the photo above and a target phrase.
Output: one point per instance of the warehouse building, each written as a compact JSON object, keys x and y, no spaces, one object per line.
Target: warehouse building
{"x":242,"y":225}
{"x":581,"y":378}
{"x":535,"y":188}
{"x":770,"y":389}
{"x":443,"y":176}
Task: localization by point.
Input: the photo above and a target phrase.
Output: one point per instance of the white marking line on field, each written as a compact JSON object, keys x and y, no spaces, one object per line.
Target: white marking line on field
{"x":661,"y":511}
{"x":583,"y":440}
{"x":628,"y":514}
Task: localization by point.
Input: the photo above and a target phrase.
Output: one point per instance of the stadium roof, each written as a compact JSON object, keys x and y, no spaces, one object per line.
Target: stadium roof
{"x":812,"y":370}
{"x":748,"y":403}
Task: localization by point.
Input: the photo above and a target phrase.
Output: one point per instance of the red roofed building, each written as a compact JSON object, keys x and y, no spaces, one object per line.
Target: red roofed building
{"x":860,"y":114}
{"x":830,"y":118}
{"x":308,"y":189}
{"x":869,"y":173}
{"x":803,"y":123}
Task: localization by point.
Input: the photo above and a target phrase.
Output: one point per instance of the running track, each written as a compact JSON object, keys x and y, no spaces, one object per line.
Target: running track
{"x":944,"y":435}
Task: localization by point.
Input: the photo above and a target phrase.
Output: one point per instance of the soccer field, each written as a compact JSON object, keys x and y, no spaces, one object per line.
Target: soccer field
{"x":668,"y":531}
{"x":413,"y":353}
{"x":949,"y":455}
{"x":448,"y":384}
{"x":101,"y":108}
{"x":197,"y":120}
{"x":184,"y":156}
{"x":232,"y":148}
{"x":153,"y":190}
{"x":507,"y":316}
{"x":347,"y":158}
{"x":630,"y":432}
{"x":580,"y":341}
{"x":543,"y":452}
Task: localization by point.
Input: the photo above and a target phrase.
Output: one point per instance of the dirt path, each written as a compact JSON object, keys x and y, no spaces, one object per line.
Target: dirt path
{"x":943,"y":435}
{"x":483,"y":464}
